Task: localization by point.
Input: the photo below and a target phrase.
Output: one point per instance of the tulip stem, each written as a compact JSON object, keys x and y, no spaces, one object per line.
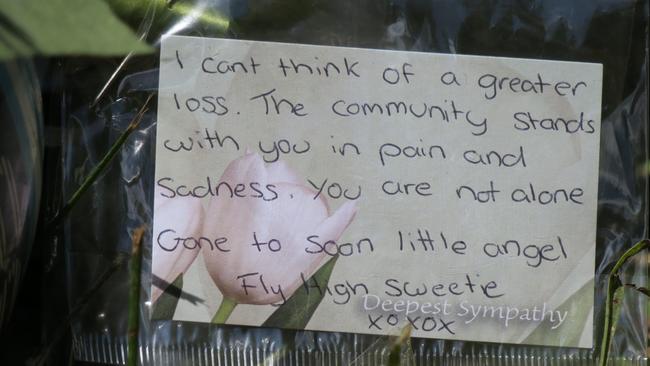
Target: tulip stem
{"x":224,"y":311}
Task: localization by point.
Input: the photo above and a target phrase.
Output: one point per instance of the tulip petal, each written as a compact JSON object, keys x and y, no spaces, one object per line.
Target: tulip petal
{"x":291,"y":216}
{"x":332,"y":227}
{"x":280,"y":172}
{"x":184,"y":215}
{"x":289,"y":219}
{"x":246,"y":169}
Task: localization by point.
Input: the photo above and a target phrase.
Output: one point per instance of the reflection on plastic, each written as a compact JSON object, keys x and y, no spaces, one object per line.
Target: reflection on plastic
{"x":611,"y":33}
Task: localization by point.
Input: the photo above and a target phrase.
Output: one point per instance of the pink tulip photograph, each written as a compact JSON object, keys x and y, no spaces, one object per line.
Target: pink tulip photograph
{"x":261,"y":259}
{"x":289,"y":219}
{"x":185,"y":214}
{"x":324,"y":182}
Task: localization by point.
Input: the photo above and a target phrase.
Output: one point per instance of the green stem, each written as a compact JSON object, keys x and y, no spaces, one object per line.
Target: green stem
{"x":134,"y":297}
{"x":224,"y":311}
{"x":99,"y":168}
{"x":613,"y":283}
{"x":643,"y":244}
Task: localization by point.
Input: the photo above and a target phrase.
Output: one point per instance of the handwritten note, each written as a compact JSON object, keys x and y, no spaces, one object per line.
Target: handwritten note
{"x":456,"y":193}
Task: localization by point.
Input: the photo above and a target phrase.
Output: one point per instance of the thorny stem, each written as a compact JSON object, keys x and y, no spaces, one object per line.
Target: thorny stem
{"x":134,"y":297}
{"x":395,"y":355}
{"x":613,"y":283}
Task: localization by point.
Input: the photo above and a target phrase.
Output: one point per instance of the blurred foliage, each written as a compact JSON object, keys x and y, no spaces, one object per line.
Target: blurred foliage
{"x":156,"y":17}
{"x":63,"y":27}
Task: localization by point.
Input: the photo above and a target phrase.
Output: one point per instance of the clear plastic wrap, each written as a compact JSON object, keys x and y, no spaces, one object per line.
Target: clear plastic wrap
{"x":613,"y":33}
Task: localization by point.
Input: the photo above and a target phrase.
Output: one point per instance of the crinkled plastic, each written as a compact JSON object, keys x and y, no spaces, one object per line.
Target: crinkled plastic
{"x":102,"y":97}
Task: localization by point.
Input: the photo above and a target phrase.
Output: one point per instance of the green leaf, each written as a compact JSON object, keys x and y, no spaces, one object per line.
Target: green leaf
{"x":63,"y":27}
{"x":165,"y":306}
{"x":579,"y":306}
{"x":300,"y":307}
